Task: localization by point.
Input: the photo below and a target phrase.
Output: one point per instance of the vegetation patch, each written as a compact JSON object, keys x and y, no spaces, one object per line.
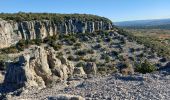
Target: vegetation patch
{"x":145,"y":67}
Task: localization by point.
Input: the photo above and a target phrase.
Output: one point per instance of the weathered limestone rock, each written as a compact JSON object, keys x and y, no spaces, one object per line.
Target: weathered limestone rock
{"x":59,"y":67}
{"x":69,"y":64}
{"x":22,"y":74}
{"x":52,"y":60}
{"x":38,"y":68}
{"x":7,"y":34}
{"x":40,"y":62}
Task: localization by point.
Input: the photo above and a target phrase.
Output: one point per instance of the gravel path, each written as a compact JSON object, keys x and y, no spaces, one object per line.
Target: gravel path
{"x":112,"y":87}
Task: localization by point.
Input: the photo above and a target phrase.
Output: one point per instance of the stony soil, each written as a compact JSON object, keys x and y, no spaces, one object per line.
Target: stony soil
{"x":113,"y":87}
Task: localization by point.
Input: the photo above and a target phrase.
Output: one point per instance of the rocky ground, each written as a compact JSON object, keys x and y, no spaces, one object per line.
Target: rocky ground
{"x":112,"y":87}
{"x":67,"y":72}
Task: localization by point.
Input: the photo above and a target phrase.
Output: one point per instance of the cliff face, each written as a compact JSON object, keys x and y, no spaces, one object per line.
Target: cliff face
{"x":11,"y":31}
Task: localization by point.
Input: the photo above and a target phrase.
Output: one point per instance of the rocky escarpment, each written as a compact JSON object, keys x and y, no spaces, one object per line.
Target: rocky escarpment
{"x":12,"y":31}
{"x":38,"y":69}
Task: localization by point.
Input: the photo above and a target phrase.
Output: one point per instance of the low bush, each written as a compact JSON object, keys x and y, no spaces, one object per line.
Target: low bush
{"x":145,"y":67}
{"x":59,"y":55}
{"x":57,"y":46}
{"x":90,"y":60}
{"x":38,"y":41}
{"x":21,"y":45}
{"x":106,"y":57}
{"x":90,"y":51}
{"x":81,"y":52}
{"x":50,"y":39}
{"x":77,"y":44}
{"x":9,"y":50}
{"x":71,"y":58}
{"x":80,"y":64}
{"x":106,"y":69}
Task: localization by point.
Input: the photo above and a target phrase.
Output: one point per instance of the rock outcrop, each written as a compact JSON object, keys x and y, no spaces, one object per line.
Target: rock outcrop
{"x":37,"y":69}
{"x":59,"y":67}
{"x":11,"y":32}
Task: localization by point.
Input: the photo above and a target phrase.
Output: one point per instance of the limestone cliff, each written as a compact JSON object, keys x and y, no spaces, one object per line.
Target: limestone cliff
{"x":12,"y":31}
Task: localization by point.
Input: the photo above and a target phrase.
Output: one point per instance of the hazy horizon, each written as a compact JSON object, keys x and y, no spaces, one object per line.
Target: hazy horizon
{"x":116,"y":10}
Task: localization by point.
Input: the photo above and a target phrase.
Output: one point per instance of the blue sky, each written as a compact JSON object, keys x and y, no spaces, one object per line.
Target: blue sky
{"x":116,"y":10}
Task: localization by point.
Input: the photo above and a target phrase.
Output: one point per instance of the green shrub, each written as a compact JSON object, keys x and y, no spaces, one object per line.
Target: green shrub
{"x":121,"y":58}
{"x":21,"y":45}
{"x":99,"y":64}
{"x":145,"y":67}
{"x":90,"y":60}
{"x":38,"y":41}
{"x":81,"y":52}
{"x":80,"y":64}
{"x":71,"y":58}
{"x":106,"y":69}
{"x":90,"y":51}
{"x":77,"y":44}
{"x":50,"y":39}
{"x":9,"y":50}
{"x":59,"y":55}
{"x":57,"y":47}
{"x":106,"y":57}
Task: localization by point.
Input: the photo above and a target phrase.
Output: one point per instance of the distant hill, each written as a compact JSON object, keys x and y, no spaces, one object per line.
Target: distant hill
{"x":145,"y":24}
